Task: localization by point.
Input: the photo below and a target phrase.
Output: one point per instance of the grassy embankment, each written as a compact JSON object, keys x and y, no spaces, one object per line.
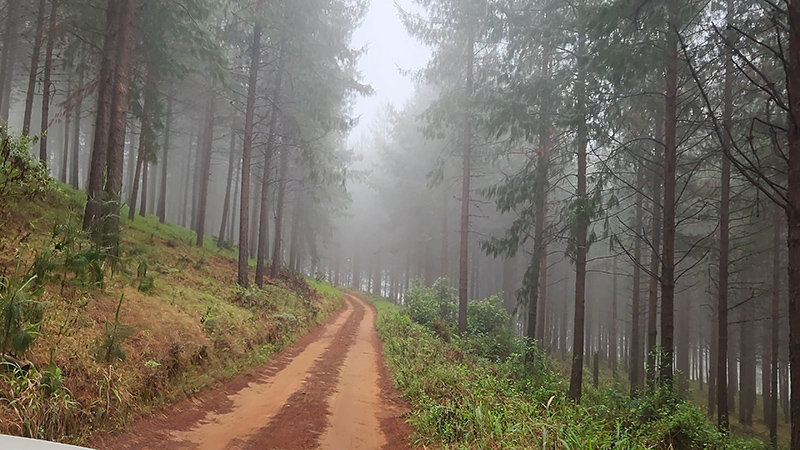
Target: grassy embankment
{"x":182,"y":322}
{"x":460,"y":398}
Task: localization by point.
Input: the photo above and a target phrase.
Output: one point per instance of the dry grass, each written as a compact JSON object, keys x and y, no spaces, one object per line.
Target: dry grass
{"x":189,"y":330}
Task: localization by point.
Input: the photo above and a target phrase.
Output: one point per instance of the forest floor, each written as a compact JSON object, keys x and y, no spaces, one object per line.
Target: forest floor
{"x":331,"y":390}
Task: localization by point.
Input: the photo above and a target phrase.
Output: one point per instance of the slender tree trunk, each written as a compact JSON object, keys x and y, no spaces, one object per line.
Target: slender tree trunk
{"x":205,"y":171}
{"x":263,"y":236}
{"x":636,"y":307}
{"x":723,"y":421}
{"x":187,"y":174}
{"x":105,"y":87}
{"x":162,"y":195}
{"x":145,"y":187}
{"x":37,"y":49}
{"x":463,"y":271}
{"x":652,"y":306}
{"x":670,"y":165}
{"x":445,"y":246}
{"x":48,"y":66}
{"x":9,"y":56}
{"x":137,"y":175}
{"x":247,"y":147}
{"x":236,"y":185}
{"x":65,"y":152}
{"x":276,"y":248}
{"x":226,"y":203}
{"x":76,"y":136}
{"x":612,"y":344}
{"x":582,"y":140}
{"x":776,"y":324}
{"x":713,"y":368}
{"x":117,"y":122}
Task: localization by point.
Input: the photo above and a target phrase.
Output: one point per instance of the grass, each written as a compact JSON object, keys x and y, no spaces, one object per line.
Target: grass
{"x":461,"y":400}
{"x":190,"y":324}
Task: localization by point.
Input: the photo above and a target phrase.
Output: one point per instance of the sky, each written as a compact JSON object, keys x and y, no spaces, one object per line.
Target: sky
{"x":389,"y":50}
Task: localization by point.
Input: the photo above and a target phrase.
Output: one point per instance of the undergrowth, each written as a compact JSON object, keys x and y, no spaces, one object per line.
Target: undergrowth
{"x":464,"y":393}
{"x":88,"y":344}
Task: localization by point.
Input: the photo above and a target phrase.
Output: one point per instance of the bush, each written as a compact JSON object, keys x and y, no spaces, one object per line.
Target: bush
{"x":434,"y":305}
{"x":20,"y":314}
{"x":21,"y":174}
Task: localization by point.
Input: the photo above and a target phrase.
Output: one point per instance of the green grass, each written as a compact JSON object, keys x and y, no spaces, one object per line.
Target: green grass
{"x":459,"y":400}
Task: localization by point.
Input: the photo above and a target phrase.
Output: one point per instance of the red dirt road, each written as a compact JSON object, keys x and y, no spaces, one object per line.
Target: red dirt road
{"x":331,"y":390}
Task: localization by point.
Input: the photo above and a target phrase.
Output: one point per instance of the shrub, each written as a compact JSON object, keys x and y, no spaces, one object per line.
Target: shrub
{"x":20,"y":314}
{"x":21,"y":174}
{"x":428,"y":306}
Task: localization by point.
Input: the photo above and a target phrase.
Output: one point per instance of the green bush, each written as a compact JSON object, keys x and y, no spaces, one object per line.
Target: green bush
{"x":20,"y":314}
{"x":21,"y":174}
{"x":429,"y":305}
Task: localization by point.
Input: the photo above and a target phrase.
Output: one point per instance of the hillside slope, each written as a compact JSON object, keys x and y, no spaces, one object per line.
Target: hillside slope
{"x":118,"y":338}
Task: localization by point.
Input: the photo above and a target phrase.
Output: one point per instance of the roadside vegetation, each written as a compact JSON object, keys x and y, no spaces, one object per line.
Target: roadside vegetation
{"x":487,"y":388}
{"x":90,"y":342}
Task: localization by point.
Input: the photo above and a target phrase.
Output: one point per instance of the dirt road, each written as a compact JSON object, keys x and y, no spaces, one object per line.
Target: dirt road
{"x":331,"y":390}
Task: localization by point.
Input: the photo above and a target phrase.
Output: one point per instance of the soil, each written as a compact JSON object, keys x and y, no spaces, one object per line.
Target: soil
{"x":331,"y":390}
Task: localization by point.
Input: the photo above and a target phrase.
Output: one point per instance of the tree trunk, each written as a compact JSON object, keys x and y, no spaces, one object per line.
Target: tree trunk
{"x":145,"y":187}
{"x":48,"y":66}
{"x":9,"y":56}
{"x":187,"y":174}
{"x":236,"y":185}
{"x":263,"y":236}
{"x":162,"y":194}
{"x":37,"y":49}
{"x":247,"y":147}
{"x":226,"y":203}
{"x":723,"y":421}
{"x":713,"y":368}
{"x":670,"y":163}
{"x":581,"y":226}
{"x":793,"y":214}
{"x":64,"y":177}
{"x":466,"y":173}
{"x":105,"y":86}
{"x":636,"y":308}
{"x":205,"y":171}
{"x":612,"y":338}
{"x":137,"y":176}
{"x":652,"y":305}
{"x":276,"y":248}
{"x":776,"y":324}
{"x":118,"y":119}
{"x":76,"y":136}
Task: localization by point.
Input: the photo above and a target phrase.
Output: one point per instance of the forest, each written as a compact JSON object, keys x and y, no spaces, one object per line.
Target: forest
{"x":584,"y":212}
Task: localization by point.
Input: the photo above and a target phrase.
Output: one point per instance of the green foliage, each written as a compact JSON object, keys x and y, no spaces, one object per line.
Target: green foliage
{"x":460,"y":399}
{"x":489,"y":332}
{"x":110,"y":348}
{"x":20,"y":313}
{"x":21,"y":174}
{"x":429,"y":305}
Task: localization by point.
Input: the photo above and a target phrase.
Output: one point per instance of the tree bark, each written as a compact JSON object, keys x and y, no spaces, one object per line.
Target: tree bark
{"x":636,"y":307}
{"x":162,"y":195}
{"x":276,"y":248}
{"x":226,"y":203}
{"x":263,"y":235}
{"x":655,"y":261}
{"x":723,"y":421}
{"x":670,"y":163}
{"x":247,"y":147}
{"x":9,"y":56}
{"x":97,"y":166}
{"x":118,"y":119}
{"x":145,"y":187}
{"x":37,"y":49}
{"x":76,"y":136}
{"x":581,"y":227}
{"x":776,"y":324}
{"x":793,"y":214}
{"x":135,"y":179}
{"x":65,"y":152}
{"x":205,"y":171}
{"x":48,"y":66}
{"x":466,"y":173}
